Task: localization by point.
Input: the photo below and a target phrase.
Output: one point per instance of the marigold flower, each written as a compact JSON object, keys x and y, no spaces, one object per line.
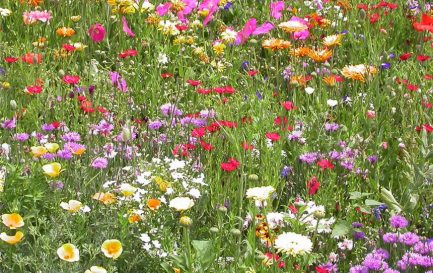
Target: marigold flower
{"x":52,"y":170}
{"x":153,"y":204}
{"x":69,"y":253}
{"x":275,"y":44}
{"x":12,"y":240}
{"x":112,"y":248}
{"x":13,"y":220}
{"x":320,"y":56}
{"x":65,"y":32}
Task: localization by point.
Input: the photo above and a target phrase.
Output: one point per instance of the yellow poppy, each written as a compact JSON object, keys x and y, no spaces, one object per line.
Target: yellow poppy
{"x":13,"y":221}
{"x":52,"y":170}
{"x":51,"y":147}
{"x":38,"y":151}
{"x":12,"y":240}
{"x":69,"y":253}
{"x":72,"y":206}
{"x":106,"y":198}
{"x":112,"y":248}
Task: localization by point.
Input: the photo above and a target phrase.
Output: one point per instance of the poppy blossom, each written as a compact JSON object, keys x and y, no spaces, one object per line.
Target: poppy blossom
{"x":13,"y":220}
{"x":273,"y":136}
{"x":112,"y":248}
{"x":69,"y":79}
{"x":325,"y":164}
{"x":313,"y":186}
{"x":231,"y":165}
{"x":69,"y":253}
{"x":12,"y":240}
{"x":426,"y":24}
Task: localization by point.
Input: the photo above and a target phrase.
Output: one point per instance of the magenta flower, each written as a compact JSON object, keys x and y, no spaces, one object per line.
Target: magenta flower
{"x":97,"y":33}
{"x":126,"y":28}
{"x":276,"y":8}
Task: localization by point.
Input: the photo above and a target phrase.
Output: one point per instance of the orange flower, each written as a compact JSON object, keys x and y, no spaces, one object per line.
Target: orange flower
{"x":106,"y":198}
{"x":32,"y":58}
{"x":320,"y":56}
{"x":300,"y":52}
{"x":112,"y":248}
{"x":275,"y":44}
{"x":134,"y":218}
{"x":358,"y":72}
{"x":12,"y":240}
{"x":65,"y":32}
{"x":13,"y":221}
{"x":153,"y":204}
{"x":33,"y":3}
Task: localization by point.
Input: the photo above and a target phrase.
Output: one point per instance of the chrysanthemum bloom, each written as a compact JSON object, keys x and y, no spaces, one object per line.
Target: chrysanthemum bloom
{"x":260,"y":193}
{"x":52,"y":170}
{"x":358,"y":72}
{"x":398,"y":221}
{"x":181,"y":203}
{"x":293,"y":244}
{"x":72,"y":206}
{"x":12,"y":240}
{"x":294,"y":25}
{"x":97,"y":33}
{"x":300,"y":51}
{"x":13,"y":220}
{"x":112,"y":248}
{"x":65,"y":32}
{"x":69,"y":253}
{"x":99,"y":163}
{"x":320,"y":56}
{"x":275,"y":44}
{"x":332,"y":40}
{"x":105,"y":198}
{"x":153,"y":204}
{"x":96,"y":269}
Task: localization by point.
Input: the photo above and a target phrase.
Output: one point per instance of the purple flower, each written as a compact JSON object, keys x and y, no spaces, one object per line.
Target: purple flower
{"x":398,"y":221}
{"x":99,"y":163}
{"x":71,"y":137}
{"x":169,"y":109}
{"x":56,"y":185}
{"x":118,"y":82}
{"x":21,"y":137}
{"x":309,"y":158}
{"x":385,"y":66}
{"x":408,"y":238}
{"x":49,"y":156}
{"x":390,"y":270}
{"x":358,"y":269}
{"x":357,"y":225}
{"x":390,"y":238}
{"x":347,"y":164}
{"x":372,"y":159}
{"x":374,"y":264}
{"x":155,"y":125}
{"x":9,"y":123}
{"x":358,"y":235}
{"x":48,"y":127}
{"x":64,"y":154}
{"x":286,"y":171}
{"x":331,"y":127}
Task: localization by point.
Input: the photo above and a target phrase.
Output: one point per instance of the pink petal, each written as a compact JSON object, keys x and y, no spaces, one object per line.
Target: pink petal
{"x":246,"y":32}
{"x":276,"y":9}
{"x":162,"y":9}
{"x":263,"y":29}
{"x":126,"y":28}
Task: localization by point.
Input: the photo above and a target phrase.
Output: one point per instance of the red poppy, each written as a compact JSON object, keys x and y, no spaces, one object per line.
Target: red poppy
{"x":288,"y":105}
{"x":325,"y":164}
{"x":72,"y":80}
{"x":426,"y":24}
{"x":193,"y":82}
{"x":252,"y":73}
{"x":273,"y":136}
{"x":68,"y":47}
{"x":198,"y":132}
{"x":166,"y":75}
{"x":374,"y":18}
{"x":405,"y":56}
{"x":321,"y":270}
{"x":206,"y":146}
{"x":87,"y":107}
{"x":422,"y":58}
{"x":10,"y":60}
{"x":35,"y":89}
{"x":55,"y":124}
{"x":412,"y":87}
{"x":128,"y":53}
{"x":313,"y":186}
{"x":204,"y":91}
{"x":32,"y":58}
{"x":231,"y":165}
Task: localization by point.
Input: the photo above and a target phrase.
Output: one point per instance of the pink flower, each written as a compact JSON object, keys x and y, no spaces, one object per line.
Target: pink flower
{"x":211,"y":6}
{"x":97,"y":33}
{"x":300,"y":35}
{"x":34,"y":16}
{"x":70,"y":79}
{"x":263,"y":29}
{"x":276,"y":8}
{"x":126,"y":28}
{"x":246,"y":32}
{"x":162,"y":9}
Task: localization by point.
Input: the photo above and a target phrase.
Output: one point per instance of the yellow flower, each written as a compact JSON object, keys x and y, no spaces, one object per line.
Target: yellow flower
{"x":79,"y":46}
{"x":176,"y":270}
{"x":358,"y":72}
{"x":112,"y":248}
{"x":72,"y":206}
{"x":12,"y":240}
{"x":218,"y":48}
{"x":332,"y":40}
{"x":292,"y":26}
{"x":52,"y":170}
{"x":38,"y":151}
{"x":320,"y":56}
{"x":69,"y":253}
{"x":275,"y":44}
{"x":13,"y":221}
{"x":96,"y":269}
{"x":105,"y":198}
{"x":75,"y":18}
{"x":51,"y":147}
{"x":127,"y":190}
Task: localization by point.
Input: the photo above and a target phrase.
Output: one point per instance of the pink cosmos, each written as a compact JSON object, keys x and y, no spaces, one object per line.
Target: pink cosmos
{"x":246,"y":32}
{"x":300,"y":35}
{"x":96,"y":33}
{"x":33,"y":16}
{"x":187,"y":9}
{"x":162,"y":9}
{"x":211,"y":6}
{"x":126,"y":28}
{"x":263,"y":29}
{"x":276,"y":8}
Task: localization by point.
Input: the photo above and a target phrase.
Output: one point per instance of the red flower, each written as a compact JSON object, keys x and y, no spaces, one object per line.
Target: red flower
{"x":281,"y":121}
{"x":231,"y":165}
{"x":412,"y":87}
{"x":181,"y":27}
{"x":166,"y":75}
{"x":252,"y":73}
{"x":313,"y":186}
{"x":206,"y":146}
{"x":204,"y":91}
{"x":198,"y":132}
{"x":72,"y":80}
{"x":273,"y":136}
{"x":325,"y":164}
{"x":288,"y":105}
{"x":247,"y":147}
{"x":128,"y":53}
{"x":293,"y":209}
{"x":321,"y":270}
{"x":87,"y":107}
{"x":422,"y":58}
{"x":68,"y":47}
{"x":193,"y":82}
{"x":32,"y":58}
{"x":35,"y":89}
{"x":405,"y":56}
{"x":426,"y":24}
{"x":10,"y":60}
{"x":374,"y":18}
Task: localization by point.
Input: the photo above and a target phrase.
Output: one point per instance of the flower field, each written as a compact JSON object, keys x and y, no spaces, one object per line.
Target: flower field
{"x":220,"y":136}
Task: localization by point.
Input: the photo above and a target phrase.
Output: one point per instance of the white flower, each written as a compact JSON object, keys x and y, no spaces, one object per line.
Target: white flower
{"x":260,"y":193}
{"x":309,"y":90}
{"x":275,"y":219}
{"x":145,"y":238}
{"x":177,"y":164}
{"x":5,"y":12}
{"x":293,"y":244}
{"x":346,"y":245}
{"x":194,"y":193}
{"x":332,"y":103}
{"x":162,"y":58}
{"x":181,"y":203}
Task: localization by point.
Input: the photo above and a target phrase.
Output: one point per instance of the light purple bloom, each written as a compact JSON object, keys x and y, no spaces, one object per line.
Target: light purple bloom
{"x":398,"y":221}
{"x":99,"y":163}
{"x":21,"y":137}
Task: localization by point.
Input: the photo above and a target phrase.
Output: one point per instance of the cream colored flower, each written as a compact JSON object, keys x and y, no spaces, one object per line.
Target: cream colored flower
{"x":69,"y":253}
{"x":181,"y":203}
{"x":112,"y":248}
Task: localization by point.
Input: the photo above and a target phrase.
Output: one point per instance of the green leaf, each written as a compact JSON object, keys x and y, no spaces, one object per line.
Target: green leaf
{"x":369,"y":202}
{"x":203,"y":251}
{"x":389,"y":199}
{"x":358,"y":195}
{"x":340,"y":229}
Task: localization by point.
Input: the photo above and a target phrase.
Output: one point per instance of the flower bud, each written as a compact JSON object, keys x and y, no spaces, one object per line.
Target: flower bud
{"x":253,"y":177}
{"x":185,"y":221}
{"x":235,"y":231}
{"x":13,"y":104}
{"x":214,"y":230}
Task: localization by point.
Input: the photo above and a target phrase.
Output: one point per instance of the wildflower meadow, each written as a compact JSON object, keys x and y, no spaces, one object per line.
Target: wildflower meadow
{"x":218,"y":136}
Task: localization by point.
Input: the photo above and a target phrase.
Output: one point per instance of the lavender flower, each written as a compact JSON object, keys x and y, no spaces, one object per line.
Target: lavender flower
{"x":99,"y":163}
{"x":21,"y":137}
{"x":358,"y":269}
{"x":71,"y":137}
{"x":331,"y":127}
{"x":408,"y":238}
{"x":398,"y":221}
{"x":155,"y":125}
{"x":309,"y":158}
{"x":390,"y":238}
